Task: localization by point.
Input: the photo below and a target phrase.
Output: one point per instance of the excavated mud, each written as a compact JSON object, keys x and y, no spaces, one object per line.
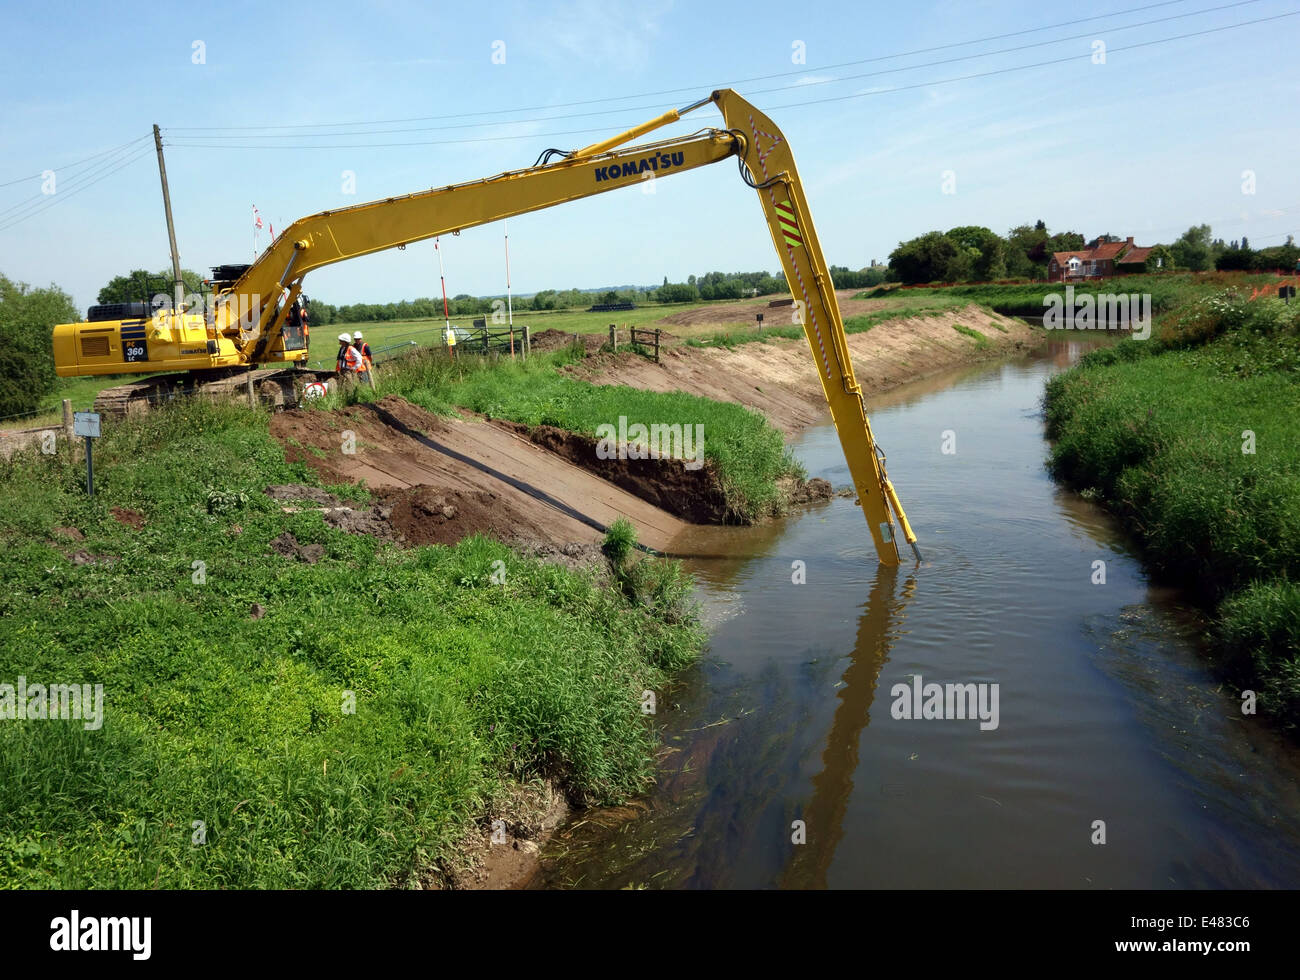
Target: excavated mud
{"x":444,"y":479}
{"x":694,"y":495}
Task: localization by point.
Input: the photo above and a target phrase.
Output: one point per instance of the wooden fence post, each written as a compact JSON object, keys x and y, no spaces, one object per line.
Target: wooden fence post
{"x":613,"y":339}
{"x":528,"y":343}
{"x":252,"y":396}
{"x":656,"y":345}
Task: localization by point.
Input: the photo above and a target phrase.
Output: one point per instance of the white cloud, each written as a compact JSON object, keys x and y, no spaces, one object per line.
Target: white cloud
{"x":596,"y":33}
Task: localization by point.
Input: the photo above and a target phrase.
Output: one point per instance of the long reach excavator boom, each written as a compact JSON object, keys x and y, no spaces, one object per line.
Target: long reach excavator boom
{"x":245,"y":325}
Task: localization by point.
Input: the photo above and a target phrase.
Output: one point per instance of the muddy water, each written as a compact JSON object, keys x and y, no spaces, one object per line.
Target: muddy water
{"x":1106,"y":712}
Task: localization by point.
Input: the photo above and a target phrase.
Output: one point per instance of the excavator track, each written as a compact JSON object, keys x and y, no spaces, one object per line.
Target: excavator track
{"x":277,"y":388}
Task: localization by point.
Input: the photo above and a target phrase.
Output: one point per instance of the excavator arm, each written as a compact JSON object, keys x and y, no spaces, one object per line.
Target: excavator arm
{"x":335,"y":236}
{"x":245,"y":325}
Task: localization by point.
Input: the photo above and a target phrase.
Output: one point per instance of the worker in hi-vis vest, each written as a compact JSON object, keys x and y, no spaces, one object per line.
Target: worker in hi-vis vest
{"x":367,"y":361}
{"x":359,"y":343}
{"x":349,"y":363}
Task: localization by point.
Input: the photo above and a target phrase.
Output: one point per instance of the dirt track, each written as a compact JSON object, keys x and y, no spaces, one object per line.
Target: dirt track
{"x":778,"y":377}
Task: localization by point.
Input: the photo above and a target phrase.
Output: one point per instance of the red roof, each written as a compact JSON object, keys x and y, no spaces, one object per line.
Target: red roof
{"x":1061,"y":258}
{"x":1108,"y":250}
{"x":1103,"y":251}
{"x":1138,"y":253}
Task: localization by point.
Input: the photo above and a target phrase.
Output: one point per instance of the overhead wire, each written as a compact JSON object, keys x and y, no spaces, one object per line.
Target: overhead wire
{"x":65,"y":177}
{"x":693,"y":88}
{"x":637,"y":108}
{"x":69,"y":166}
{"x":194,"y":141}
{"x":61,"y":196}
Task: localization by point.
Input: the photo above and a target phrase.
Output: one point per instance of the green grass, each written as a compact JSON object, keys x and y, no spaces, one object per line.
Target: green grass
{"x":748,"y":452}
{"x":462,"y":686}
{"x":324,"y":339}
{"x":1161,"y":431}
{"x":980,"y":340}
{"x":854,"y":324}
{"x":1167,"y":290}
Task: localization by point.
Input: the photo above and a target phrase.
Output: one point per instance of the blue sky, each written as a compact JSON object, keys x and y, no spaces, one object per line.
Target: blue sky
{"x":1144,"y":144}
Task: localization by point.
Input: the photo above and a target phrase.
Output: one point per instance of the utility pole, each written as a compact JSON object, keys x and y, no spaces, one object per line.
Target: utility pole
{"x":171,"y":228}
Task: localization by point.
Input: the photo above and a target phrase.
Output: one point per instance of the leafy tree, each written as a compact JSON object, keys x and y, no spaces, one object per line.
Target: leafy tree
{"x":923,"y":259}
{"x":1282,"y":257}
{"x":1235,"y":259}
{"x":1192,"y":250}
{"x":26,"y":318}
{"x":139,"y":284}
{"x":1027,"y":251}
{"x":678,"y":292}
{"x":984,"y":249}
{"x":1066,"y":241}
{"x":1159,"y":259}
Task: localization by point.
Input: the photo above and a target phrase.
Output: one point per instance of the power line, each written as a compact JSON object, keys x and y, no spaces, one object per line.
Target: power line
{"x":1037,"y":64}
{"x":64,"y":195}
{"x":687,"y":88}
{"x":78,"y":163}
{"x":357,"y":146}
{"x":73,"y":178}
{"x":841,"y":98}
{"x":780,"y":88}
{"x":1021,"y":47}
{"x":34,"y":201}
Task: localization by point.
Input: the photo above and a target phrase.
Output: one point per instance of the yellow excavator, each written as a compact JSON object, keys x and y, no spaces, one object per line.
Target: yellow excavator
{"x":247,"y":322}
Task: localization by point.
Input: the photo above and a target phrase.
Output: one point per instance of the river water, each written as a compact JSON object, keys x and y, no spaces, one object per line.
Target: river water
{"x":1108,"y":721}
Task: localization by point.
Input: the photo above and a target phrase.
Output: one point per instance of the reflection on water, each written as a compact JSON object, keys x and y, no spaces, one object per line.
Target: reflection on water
{"x":1107,"y":712}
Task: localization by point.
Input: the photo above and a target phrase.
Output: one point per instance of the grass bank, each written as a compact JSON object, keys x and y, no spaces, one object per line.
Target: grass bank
{"x":1192,"y":438}
{"x":748,"y":452}
{"x":853,"y":324}
{"x":334,"y":724}
{"x":428,"y":332}
{"x":1167,"y":290}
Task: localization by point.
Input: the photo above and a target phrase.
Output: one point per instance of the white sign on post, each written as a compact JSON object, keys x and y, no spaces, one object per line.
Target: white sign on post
{"x":86,"y":424}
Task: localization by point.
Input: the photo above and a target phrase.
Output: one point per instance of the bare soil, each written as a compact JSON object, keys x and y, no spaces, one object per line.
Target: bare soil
{"x":131,"y":518}
{"x":501,"y":852}
{"x":286,"y":544}
{"x":694,"y":495}
{"x":445,"y":479}
{"x":778,"y":377}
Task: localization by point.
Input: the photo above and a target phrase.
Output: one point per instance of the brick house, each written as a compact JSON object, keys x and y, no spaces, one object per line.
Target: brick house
{"x":1101,"y":258}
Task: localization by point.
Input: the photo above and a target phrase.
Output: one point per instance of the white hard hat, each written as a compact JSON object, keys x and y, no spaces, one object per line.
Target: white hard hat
{"x":346,"y":338}
{"x":357,"y":335}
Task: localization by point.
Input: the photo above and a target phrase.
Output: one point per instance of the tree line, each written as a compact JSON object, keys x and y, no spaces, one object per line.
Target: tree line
{"x":973,"y":253}
{"x":140,"y":284}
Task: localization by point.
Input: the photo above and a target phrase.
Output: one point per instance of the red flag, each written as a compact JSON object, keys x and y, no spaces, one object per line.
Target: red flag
{"x":272,"y":231}
{"x":257,"y":219}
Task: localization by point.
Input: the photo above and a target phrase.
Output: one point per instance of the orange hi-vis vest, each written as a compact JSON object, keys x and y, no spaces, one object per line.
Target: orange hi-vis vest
{"x":351,"y":360}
